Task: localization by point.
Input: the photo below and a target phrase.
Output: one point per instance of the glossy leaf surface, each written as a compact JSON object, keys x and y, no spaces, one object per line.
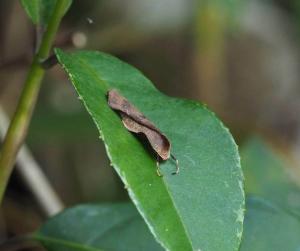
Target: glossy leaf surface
{"x":201,"y":208}
{"x":97,"y":227}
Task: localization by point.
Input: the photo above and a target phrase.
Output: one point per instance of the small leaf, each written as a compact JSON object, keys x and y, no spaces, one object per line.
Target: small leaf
{"x":97,"y":227}
{"x":201,"y":208}
{"x":266,"y":175}
{"x":267,"y":227}
{"x":40,"y":10}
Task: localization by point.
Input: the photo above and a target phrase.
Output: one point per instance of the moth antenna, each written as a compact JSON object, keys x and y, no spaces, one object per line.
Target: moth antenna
{"x":157,"y":167}
{"x":177,"y":164}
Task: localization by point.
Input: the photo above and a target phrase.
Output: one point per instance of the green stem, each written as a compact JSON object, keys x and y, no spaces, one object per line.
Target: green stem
{"x":18,"y":127}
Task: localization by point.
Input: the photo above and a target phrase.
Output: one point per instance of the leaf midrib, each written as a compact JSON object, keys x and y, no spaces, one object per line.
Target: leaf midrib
{"x":65,"y":243}
{"x":96,"y":76}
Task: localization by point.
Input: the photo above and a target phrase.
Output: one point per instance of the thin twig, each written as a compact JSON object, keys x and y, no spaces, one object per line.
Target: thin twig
{"x":33,"y":175}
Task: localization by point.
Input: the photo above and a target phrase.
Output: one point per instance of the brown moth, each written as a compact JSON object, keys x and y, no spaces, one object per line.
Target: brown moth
{"x":136,"y":122}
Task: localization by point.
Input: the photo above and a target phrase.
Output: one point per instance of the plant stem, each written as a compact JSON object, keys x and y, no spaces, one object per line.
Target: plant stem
{"x":17,"y":130}
{"x":33,"y":176}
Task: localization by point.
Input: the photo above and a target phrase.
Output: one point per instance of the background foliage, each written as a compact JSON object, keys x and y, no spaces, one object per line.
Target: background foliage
{"x":241,"y":58}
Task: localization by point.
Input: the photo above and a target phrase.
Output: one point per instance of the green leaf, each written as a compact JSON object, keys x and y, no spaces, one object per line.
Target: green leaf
{"x":266,"y":175}
{"x":201,"y":208}
{"x":97,"y":227}
{"x":267,"y":227}
{"x":40,"y":10}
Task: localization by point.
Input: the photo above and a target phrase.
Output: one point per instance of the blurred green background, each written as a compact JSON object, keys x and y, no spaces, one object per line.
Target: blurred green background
{"x":241,"y":58}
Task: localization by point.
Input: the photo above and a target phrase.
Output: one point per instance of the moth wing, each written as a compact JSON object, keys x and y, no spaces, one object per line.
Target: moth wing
{"x":118,"y":102}
{"x":159,"y":142}
{"x":136,"y":122}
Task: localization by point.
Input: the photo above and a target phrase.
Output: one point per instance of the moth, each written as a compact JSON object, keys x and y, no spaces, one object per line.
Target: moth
{"x":136,"y":122}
